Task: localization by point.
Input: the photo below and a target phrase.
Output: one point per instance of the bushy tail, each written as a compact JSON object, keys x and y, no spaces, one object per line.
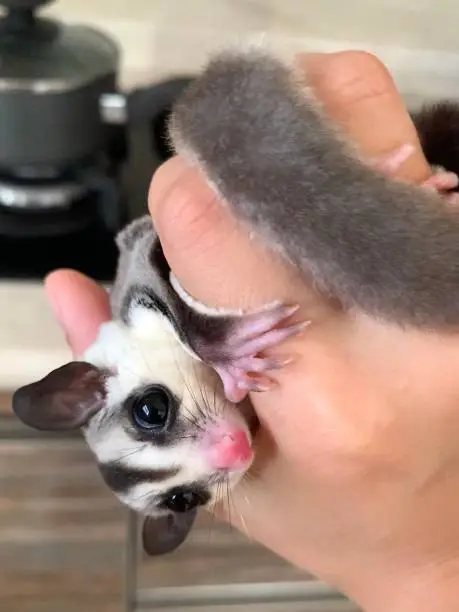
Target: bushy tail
{"x":438,"y":128}
{"x":388,"y":248}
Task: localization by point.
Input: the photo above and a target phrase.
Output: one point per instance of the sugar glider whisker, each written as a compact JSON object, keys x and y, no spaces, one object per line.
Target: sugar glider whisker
{"x":161,"y":396}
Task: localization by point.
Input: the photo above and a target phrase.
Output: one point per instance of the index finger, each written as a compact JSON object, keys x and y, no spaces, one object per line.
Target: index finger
{"x":359,"y":94}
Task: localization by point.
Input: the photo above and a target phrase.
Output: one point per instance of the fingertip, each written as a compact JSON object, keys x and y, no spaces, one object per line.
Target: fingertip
{"x":64,"y":285}
{"x":192,"y":223}
{"x":350,"y":73}
{"x":359,"y":93}
{"x":80,"y":306}
{"x":163,"y":180}
{"x":181,"y":205}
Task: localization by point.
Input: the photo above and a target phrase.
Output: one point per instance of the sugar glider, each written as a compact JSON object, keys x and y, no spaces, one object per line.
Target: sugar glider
{"x":155,"y":395}
{"x":161,"y":395}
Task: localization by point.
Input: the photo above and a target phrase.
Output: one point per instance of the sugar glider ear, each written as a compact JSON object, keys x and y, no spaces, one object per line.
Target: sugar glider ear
{"x":164,"y":534}
{"x":64,"y":399}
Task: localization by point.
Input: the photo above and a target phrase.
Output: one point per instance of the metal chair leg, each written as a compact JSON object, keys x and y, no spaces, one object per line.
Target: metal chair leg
{"x":130,"y":563}
{"x":206,"y":596}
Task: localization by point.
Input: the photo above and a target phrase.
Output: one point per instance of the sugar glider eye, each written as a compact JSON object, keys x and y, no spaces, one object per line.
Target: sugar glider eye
{"x":184,"y":500}
{"x":152,"y":410}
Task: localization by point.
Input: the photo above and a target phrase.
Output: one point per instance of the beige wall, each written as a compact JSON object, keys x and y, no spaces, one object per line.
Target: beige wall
{"x":418,"y":39}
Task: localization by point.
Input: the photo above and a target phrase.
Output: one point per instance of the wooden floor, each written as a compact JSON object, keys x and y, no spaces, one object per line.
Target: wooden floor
{"x":63,"y":534}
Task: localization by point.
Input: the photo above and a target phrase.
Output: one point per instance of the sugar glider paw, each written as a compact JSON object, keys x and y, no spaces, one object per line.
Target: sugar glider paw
{"x":241,"y":366}
{"x":232,"y":342}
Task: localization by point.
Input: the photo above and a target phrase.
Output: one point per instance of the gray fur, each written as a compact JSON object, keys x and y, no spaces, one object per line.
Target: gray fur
{"x":386,"y":248}
{"x":135,"y":243}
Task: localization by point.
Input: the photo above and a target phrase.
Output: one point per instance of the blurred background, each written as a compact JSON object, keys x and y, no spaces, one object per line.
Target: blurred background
{"x":85,"y":89}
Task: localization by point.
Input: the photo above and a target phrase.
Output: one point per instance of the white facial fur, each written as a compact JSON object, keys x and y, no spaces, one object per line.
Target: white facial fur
{"x":148,"y":352}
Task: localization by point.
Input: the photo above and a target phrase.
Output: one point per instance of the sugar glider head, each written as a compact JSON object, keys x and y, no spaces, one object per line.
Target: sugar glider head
{"x":165,"y":438}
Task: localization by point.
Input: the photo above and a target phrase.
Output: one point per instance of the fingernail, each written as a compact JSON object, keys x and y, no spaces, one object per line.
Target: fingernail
{"x":291,"y":310}
{"x":281,"y":363}
{"x":302,"y":326}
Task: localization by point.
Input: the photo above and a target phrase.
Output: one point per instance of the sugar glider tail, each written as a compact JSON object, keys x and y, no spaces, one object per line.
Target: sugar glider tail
{"x":253,"y":127}
{"x":438,"y":129}
{"x":246,"y":123}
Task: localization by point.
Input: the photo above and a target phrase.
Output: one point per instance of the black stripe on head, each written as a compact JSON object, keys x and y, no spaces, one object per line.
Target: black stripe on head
{"x":159,"y":262}
{"x":141,"y":295}
{"x":194,"y":328}
{"x":120,"y":478}
{"x":201,"y":332}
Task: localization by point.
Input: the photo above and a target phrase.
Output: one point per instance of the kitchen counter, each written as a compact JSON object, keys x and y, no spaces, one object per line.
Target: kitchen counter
{"x":31,"y":342}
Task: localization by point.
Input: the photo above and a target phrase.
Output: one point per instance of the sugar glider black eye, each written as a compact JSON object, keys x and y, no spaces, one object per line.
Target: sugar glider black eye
{"x":152,"y":410}
{"x":184,"y":501}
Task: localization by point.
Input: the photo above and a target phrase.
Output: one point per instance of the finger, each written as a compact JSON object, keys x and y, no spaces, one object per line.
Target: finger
{"x":358,"y":92}
{"x":80,"y":306}
{"x":212,"y":258}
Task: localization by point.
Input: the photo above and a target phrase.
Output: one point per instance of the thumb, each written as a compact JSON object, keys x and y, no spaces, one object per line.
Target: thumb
{"x":211,"y":255}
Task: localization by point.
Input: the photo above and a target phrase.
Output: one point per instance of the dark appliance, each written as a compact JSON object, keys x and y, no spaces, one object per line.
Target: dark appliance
{"x":76,"y":154}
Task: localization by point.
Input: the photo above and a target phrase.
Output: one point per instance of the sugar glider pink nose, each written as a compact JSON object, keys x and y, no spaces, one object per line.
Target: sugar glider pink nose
{"x":231,"y":451}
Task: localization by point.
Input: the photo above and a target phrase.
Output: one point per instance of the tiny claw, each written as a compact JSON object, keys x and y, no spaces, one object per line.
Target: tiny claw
{"x":254,"y":386}
{"x":247,"y":337}
{"x":270,"y":339}
{"x":259,"y":322}
{"x":270,"y":306}
{"x":259,"y":364}
{"x":281,"y":363}
{"x":302,"y":325}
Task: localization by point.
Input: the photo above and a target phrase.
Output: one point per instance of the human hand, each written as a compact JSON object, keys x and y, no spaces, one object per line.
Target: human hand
{"x":356,"y":468}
